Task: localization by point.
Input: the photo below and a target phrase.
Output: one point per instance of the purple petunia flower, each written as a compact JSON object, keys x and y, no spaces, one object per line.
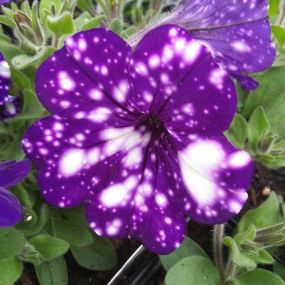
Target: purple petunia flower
{"x":11,"y":173}
{"x":236,"y":32}
{"x":10,"y":106}
{"x":137,"y":135}
{"x":2,"y":2}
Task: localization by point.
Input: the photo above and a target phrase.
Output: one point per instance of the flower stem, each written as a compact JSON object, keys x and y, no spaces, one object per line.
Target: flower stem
{"x":231,"y":270}
{"x":218,"y":248}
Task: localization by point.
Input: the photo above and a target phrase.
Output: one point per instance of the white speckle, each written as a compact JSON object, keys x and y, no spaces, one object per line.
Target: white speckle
{"x":198,"y":163}
{"x":239,"y":159}
{"x":241,"y":46}
{"x":4,"y":69}
{"x":121,"y":91}
{"x":154,"y":61}
{"x":95,"y":94}
{"x":118,"y":193}
{"x":65,"y":81}
{"x":71,"y":162}
{"x":161,"y":200}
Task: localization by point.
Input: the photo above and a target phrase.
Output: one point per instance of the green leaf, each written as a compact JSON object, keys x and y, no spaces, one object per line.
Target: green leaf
{"x":258,"y":277}
{"x":61,"y":25}
{"x":237,"y":256}
{"x":99,"y":256}
{"x":20,"y":79}
{"x":258,"y":125}
{"x":279,"y":33}
{"x":187,"y":248}
{"x":76,"y":216}
{"x":93,"y":23}
{"x":263,"y":257}
{"x":53,"y":272}
{"x":192,"y":271}
{"x":31,"y":255}
{"x":266,"y":214}
{"x":23,"y":61}
{"x":37,"y":222}
{"x":279,"y":269}
{"x":72,"y":233}
{"x":32,"y":108}
{"x":12,"y":242}
{"x":116,"y":26}
{"x":86,"y":5}
{"x":270,"y":95}
{"x":238,"y":131}
{"x":10,"y":270}
{"x":274,"y":7}
{"x":248,"y":235}
{"x":49,"y":247}
{"x":8,"y":21}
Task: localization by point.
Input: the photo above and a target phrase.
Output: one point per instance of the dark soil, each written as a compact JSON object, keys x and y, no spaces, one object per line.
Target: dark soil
{"x":146,"y":270}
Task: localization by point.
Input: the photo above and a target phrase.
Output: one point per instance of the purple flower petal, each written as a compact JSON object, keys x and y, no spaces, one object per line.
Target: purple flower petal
{"x":104,"y":57}
{"x":65,"y":88}
{"x":13,"y":172}
{"x":176,"y":77}
{"x":216,"y":176}
{"x":11,"y":211}
{"x":2,"y":2}
{"x":66,"y":151}
{"x":137,"y":194}
{"x":233,"y":48}
{"x":4,"y":80}
{"x":11,"y":107}
{"x":237,"y":32}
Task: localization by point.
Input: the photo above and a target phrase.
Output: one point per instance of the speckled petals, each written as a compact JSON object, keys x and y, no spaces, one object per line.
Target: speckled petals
{"x":157,"y":222}
{"x":67,"y":151}
{"x":217,"y":177}
{"x":234,"y":47}
{"x":11,"y":107}
{"x":4,"y":80}
{"x":204,"y":103}
{"x":137,"y":196}
{"x":105,"y":57}
{"x":11,"y":211}
{"x":13,"y":172}
{"x":237,"y":32}
{"x":66,"y":89}
{"x":2,"y":2}
{"x":161,"y":62}
{"x":208,"y":14}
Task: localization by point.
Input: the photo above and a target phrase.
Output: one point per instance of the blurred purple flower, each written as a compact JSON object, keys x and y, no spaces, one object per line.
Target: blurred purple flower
{"x":11,"y":173}
{"x":138,"y":135}
{"x":236,"y":32}
{"x":2,"y":2}
{"x":10,"y":106}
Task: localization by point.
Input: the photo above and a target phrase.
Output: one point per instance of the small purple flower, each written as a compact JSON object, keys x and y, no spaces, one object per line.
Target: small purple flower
{"x":11,"y":173}
{"x":137,"y":135}
{"x":236,"y":32}
{"x":9,"y":106}
{"x":2,"y":2}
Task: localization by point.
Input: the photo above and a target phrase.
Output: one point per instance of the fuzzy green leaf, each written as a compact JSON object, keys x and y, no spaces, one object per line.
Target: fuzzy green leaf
{"x":99,"y":256}
{"x":187,"y":248}
{"x":49,"y":247}
{"x":10,"y":270}
{"x":192,"y":271}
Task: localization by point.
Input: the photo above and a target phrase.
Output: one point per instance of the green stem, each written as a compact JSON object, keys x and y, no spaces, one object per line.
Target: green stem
{"x":218,"y":248}
{"x":231,"y":270}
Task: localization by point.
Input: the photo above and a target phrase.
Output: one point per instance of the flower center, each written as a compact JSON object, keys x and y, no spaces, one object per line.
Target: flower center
{"x":154,"y":125}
